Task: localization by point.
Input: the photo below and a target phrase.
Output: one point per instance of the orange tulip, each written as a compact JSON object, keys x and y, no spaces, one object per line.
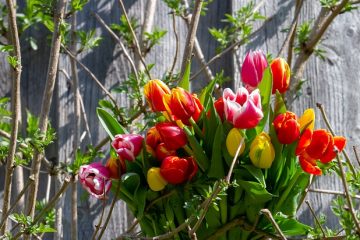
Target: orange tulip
{"x":281,"y":75}
{"x":287,"y":127}
{"x":154,"y":91}
{"x":113,"y":165}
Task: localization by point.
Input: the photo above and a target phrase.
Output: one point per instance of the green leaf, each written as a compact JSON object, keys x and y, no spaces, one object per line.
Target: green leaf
{"x":290,"y":226}
{"x":185,"y":81}
{"x":198,"y":151}
{"x":207,"y":92}
{"x":256,"y":173}
{"x":255,"y":191}
{"x":265,"y":88}
{"x":110,"y":124}
{"x":217,"y":164}
{"x":280,"y":106}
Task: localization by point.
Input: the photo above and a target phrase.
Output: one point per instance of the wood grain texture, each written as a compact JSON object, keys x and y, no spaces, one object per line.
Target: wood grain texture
{"x":334,"y":83}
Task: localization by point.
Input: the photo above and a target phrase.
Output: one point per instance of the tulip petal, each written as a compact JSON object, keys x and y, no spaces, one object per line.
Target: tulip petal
{"x":304,"y":141}
{"x":319,"y":143}
{"x":309,"y":166}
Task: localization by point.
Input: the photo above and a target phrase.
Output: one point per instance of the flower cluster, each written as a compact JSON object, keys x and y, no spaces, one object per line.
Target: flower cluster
{"x":194,"y":142}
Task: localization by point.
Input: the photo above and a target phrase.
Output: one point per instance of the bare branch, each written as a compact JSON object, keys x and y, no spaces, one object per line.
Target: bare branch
{"x":15,"y":108}
{"x":176,"y":48}
{"x":267,"y":213}
{"x":316,"y":190}
{"x":316,"y":218}
{"x":190,"y":39}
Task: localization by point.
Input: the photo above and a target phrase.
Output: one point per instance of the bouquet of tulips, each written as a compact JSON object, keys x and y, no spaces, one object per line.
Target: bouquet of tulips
{"x":235,"y":167}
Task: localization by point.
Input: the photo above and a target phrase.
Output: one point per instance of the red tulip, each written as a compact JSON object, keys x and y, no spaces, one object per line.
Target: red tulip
{"x":154,"y":91}
{"x":177,"y":170}
{"x":113,"y":165}
{"x":181,"y":105}
{"x":95,"y":178}
{"x":171,"y":135}
{"x":281,"y":75}
{"x":253,"y":68}
{"x":318,"y":145}
{"x":162,"y":152}
{"x":152,"y":140}
{"x":127,"y":146}
{"x":287,"y":127}
{"x":243,"y":110}
{"x":219,"y":107}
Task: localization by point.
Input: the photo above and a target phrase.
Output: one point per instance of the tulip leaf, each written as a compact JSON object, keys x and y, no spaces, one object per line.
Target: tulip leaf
{"x":265,"y":88}
{"x":110,"y":124}
{"x":140,"y":200}
{"x":280,"y":106}
{"x":255,"y":191}
{"x":216,"y":164}
{"x":211,"y":122}
{"x":289,"y":226}
{"x":131,"y":182}
{"x":185,"y":81}
{"x":206,"y":93}
{"x":256,"y":173}
{"x":198,"y":151}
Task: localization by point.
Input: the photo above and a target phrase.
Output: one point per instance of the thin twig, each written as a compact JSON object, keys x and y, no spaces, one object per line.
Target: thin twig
{"x":316,"y":218}
{"x":316,"y":190}
{"x":98,"y":226}
{"x":356,"y":155}
{"x":176,"y":46}
{"x":88,"y":71}
{"x":192,"y":234}
{"x":292,"y":29}
{"x":190,"y":39}
{"x":15,"y":108}
{"x":327,"y":122}
{"x":46,"y":101}
{"x":137,"y":46}
{"x":269,"y":216}
{"x":14,"y":203}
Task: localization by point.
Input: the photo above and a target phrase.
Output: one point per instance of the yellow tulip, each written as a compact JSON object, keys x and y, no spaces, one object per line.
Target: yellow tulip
{"x":155,"y":180}
{"x":233,"y":140}
{"x":262,"y":152}
{"x":307,"y":119}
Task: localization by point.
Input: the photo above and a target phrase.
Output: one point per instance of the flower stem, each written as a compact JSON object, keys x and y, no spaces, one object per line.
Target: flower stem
{"x":196,"y":128}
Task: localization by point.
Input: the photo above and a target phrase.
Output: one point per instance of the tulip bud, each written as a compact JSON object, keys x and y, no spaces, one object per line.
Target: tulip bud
{"x":95,"y":178}
{"x":173,"y":136}
{"x":177,"y":170}
{"x":219,"y":107}
{"x":127,"y":146}
{"x":253,"y":68}
{"x":155,"y":180}
{"x":181,"y":105}
{"x":242,"y":109}
{"x":154,"y":91}
{"x":307,"y":120}
{"x":115,"y":170}
{"x":286,"y":127}
{"x":281,"y":75}
{"x":233,"y":141}
{"x":262,"y":152}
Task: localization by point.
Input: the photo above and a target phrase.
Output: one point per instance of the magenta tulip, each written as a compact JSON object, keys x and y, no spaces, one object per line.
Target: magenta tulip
{"x":253,"y":68}
{"x":95,"y":178}
{"x":128,"y":146}
{"x":242,"y":109}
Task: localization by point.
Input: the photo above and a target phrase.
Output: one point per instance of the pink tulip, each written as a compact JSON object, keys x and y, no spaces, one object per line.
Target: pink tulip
{"x":127,"y":146}
{"x":242,"y":109}
{"x":95,"y":178}
{"x":253,"y":68}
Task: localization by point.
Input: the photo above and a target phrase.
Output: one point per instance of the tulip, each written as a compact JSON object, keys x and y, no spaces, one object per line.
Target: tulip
{"x":307,"y":119}
{"x":152,"y":140}
{"x":233,"y":140}
{"x":127,"y":146}
{"x":181,"y":105}
{"x":162,"y":152}
{"x":281,"y":75}
{"x":177,"y":170}
{"x":219,"y":107}
{"x":155,"y":180}
{"x":171,"y":135}
{"x":243,"y":110}
{"x":113,"y":165}
{"x":154,"y":91}
{"x":318,"y":145}
{"x":95,"y":178}
{"x":262,"y":152}
{"x":286,"y":127}
{"x":253,"y":68}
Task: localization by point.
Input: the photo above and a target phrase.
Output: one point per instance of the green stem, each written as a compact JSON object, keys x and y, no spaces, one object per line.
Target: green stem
{"x":287,"y":190}
{"x":196,"y":128}
{"x":191,"y":153}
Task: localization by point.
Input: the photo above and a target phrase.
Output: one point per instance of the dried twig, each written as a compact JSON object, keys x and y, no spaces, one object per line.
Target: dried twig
{"x":316,"y":190}
{"x":176,"y":46}
{"x":47,"y":98}
{"x":190,"y":39}
{"x":316,"y":218}
{"x":15,"y":108}
{"x":137,"y":46}
{"x":356,"y":155}
{"x":267,"y":213}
